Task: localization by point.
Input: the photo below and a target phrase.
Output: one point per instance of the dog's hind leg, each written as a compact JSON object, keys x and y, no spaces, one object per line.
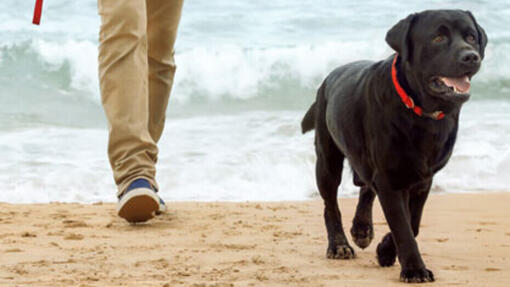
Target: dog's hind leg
{"x":362,"y":229}
{"x":328,"y":175}
{"x":328,"y":179}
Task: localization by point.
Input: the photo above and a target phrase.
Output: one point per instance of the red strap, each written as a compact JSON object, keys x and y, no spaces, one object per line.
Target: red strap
{"x":406,"y":99}
{"x":37,"y":12}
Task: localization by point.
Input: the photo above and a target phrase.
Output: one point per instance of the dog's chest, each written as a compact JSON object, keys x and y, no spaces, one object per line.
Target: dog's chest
{"x":429,"y":150}
{"x":406,"y":157}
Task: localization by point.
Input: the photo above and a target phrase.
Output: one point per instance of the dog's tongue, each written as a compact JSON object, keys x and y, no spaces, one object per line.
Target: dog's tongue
{"x":461,"y":84}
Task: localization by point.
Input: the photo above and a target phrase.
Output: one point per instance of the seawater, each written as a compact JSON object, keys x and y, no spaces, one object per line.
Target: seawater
{"x":247,"y":72}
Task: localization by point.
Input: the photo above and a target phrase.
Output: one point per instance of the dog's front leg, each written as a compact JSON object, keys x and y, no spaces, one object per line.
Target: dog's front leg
{"x":362,"y":229}
{"x":396,"y":210}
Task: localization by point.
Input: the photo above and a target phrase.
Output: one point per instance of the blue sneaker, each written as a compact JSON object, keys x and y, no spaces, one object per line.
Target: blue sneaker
{"x":140,"y":202}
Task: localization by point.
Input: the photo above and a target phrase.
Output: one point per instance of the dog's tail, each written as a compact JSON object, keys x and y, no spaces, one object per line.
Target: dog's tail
{"x":308,"y":122}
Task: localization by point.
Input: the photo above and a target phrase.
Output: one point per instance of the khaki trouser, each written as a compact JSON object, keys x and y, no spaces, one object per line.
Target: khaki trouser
{"x":136,"y":71}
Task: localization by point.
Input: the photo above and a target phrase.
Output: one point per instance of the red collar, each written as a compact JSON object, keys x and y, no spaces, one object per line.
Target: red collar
{"x":406,"y":99}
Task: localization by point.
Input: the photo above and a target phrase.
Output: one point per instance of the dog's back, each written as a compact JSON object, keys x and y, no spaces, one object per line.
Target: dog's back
{"x":341,"y":81}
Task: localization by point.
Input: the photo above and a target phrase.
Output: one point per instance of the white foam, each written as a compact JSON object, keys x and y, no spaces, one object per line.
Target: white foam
{"x":247,"y":156}
{"x":236,"y":72}
{"x":225,"y":71}
{"x":256,"y":156}
{"x":482,"y":151}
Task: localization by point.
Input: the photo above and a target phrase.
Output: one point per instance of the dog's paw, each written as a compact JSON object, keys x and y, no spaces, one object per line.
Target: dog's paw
{"x":386,"y":252}
{"x":362,"y":234}
{"x":340,"y":251}
{"x":421,"y":275}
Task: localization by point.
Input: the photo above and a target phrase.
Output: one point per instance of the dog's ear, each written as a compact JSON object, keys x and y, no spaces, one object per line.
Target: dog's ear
{"x":482,"y":37}
{"x":397,"y":37}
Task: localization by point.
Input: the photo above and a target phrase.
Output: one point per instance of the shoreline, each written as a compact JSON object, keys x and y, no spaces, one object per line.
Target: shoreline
{"x":464,"y":240}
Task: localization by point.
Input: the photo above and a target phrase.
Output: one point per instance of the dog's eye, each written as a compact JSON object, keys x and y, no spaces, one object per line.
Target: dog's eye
{"x":439,"y":39}
{"x":471,"y":39}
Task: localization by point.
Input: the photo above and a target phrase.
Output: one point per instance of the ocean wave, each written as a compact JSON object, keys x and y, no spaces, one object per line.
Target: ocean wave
{"x":228,"y":72}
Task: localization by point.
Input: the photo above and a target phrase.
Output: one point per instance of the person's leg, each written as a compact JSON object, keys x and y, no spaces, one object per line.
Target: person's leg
{"x":123,"y":74}
{"x":162,"y":21}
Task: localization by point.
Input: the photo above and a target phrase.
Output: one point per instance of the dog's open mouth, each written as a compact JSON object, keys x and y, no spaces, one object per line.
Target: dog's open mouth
{"x":451,"y":88}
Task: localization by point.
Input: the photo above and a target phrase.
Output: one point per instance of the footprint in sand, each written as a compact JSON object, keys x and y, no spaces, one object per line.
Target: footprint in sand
{"x":54,"y":244}
{"x":286,"y":235}
{"x":12,"y":250}
{"x":28,"y":234}
{"x":487,"y":223}
{"x":482,"y":229}
{"x":57,"y":216}
{"x":160,"y":264}
{"x":74,"y":236}
{"x":217,"y":216}
{"x":232,"y":246}
{"x":257,"y":260}
{"x":269,"y":227}
{"x":74,"y":223}
{"x":456,"y":268}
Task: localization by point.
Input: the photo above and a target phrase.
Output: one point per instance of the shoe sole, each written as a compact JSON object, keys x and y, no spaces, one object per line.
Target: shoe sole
{"x":139,"y":205}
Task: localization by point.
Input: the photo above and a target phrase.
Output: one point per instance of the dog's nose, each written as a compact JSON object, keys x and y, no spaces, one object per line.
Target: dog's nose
{"x":469,"y":58}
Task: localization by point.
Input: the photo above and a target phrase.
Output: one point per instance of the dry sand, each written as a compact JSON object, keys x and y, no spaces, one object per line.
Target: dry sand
{"x":465,"y":240}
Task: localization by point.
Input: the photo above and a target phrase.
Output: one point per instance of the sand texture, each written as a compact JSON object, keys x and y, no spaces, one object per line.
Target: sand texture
{"x":464,"y":239}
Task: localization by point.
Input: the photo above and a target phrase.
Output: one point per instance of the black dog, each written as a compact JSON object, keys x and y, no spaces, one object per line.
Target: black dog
{"x":396,"y":123}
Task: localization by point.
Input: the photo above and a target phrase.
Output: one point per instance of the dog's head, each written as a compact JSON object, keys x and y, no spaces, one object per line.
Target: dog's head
{"x":440,"y":50}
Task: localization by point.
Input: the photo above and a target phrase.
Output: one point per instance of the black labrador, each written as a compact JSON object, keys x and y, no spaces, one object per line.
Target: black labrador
{"x":396,"y":122}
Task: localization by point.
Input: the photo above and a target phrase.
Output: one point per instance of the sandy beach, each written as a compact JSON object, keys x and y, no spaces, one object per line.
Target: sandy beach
{"x":465,"y":240}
